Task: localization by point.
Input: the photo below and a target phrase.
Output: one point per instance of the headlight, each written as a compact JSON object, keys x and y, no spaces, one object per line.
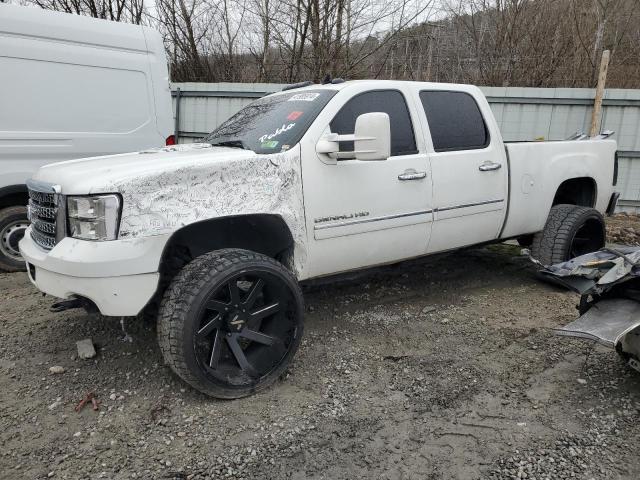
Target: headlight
{"x":94,"y":217}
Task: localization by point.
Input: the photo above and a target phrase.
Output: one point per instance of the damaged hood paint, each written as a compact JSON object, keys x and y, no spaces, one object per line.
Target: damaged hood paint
{"x":103,"y":174}
{"x":166,"y":189}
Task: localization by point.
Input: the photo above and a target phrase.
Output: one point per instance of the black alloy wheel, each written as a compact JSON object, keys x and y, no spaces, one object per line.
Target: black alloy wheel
{"x":230,"y":322}
{"x":244,"y":332}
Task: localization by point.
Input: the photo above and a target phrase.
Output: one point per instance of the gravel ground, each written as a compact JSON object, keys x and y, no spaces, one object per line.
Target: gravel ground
{"x":443,"y":368}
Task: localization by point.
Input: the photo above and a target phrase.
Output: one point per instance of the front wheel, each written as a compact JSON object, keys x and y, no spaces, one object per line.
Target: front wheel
{"x":230,"y":322}
{"x":570,"y":231}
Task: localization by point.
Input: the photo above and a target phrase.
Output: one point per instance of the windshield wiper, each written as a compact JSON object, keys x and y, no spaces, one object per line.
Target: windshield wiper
{"x":230,"y":143}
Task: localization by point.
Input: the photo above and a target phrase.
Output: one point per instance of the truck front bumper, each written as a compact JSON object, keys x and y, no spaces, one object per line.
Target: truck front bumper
{"x":119,"y":276}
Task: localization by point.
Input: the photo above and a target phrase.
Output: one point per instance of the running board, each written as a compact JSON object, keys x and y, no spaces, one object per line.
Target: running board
{"x":606,"y":322}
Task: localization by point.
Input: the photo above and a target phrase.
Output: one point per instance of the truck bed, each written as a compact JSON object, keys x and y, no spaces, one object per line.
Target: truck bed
{"x":537,"y":169}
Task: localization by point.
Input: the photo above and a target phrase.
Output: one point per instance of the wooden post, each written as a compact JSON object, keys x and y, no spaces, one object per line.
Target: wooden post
{"x":597,"y":103}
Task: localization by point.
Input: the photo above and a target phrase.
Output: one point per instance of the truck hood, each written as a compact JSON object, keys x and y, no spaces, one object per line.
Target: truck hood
{"x":105,"y":174}
{"x":170,"y":188}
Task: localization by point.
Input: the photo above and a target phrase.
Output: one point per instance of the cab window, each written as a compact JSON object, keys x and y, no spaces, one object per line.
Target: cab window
{"x":455,"y":121}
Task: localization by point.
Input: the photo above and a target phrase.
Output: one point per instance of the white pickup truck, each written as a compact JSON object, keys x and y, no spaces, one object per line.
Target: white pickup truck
{"x":308,"y":182}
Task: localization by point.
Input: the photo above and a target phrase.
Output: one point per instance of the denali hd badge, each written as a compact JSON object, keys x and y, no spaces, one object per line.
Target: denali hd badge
{"x":347,"y":216}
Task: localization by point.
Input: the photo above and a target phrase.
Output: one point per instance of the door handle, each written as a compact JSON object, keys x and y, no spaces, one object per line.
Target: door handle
{"x":489,"y":166}
{"x":411,"y":174}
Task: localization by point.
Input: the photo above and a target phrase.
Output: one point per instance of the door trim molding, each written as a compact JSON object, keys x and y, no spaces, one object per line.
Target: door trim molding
{"x":369,"y":220}
{"x":465,"y":205}
{"x":403,"y":215}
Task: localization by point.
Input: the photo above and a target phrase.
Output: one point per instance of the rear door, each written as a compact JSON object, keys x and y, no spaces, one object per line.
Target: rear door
{"x":469,"y":169}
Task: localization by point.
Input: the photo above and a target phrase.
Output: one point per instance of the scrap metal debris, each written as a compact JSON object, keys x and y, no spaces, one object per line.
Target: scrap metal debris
{"x":606,"y":323}
{"x":596,"y":272}
{"x":89,"y":397}
{"x":609,"y":284}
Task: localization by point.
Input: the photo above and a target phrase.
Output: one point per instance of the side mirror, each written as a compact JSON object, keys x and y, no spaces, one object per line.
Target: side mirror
{"x":371,"y":139}
{"x":372,"y":136}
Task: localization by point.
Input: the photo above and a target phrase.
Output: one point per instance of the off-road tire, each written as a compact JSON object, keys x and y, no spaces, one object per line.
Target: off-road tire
{"x":9,"y":216}
{"x":557,"y":242}
{"x":184,"y":298}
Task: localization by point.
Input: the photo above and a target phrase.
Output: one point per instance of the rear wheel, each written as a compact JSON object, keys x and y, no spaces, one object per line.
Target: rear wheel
{"x":570,"y":231}
{"x":230,"y":322}
{"x":13,"y":223}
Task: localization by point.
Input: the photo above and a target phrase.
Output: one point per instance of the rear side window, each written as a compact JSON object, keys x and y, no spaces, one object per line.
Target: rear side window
{"x":454,"y":120}
{"x":391,"y":102}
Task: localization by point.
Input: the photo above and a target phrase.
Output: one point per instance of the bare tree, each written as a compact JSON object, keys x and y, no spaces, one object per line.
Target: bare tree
{"x":489,"y":42}
{"x":132,"y":11}
{"x":539,"y":42}
{"x":186,"y":26}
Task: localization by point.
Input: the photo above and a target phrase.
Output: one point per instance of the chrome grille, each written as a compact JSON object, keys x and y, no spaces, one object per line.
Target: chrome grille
{"x":45,"y":241}
{"x":43,"y":214}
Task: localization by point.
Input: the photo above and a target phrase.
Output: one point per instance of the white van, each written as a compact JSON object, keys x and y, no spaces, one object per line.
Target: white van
{"x":72,"y":87}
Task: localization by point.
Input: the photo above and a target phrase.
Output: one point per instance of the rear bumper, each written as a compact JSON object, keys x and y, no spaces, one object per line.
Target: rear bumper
{"x":119,"y":277}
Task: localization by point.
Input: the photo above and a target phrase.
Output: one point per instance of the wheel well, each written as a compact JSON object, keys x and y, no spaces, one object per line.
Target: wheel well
{"x":13,"y":195}
{"x":266,"y":234}
{"x":576,"y":191}
{"x":263,"y":233}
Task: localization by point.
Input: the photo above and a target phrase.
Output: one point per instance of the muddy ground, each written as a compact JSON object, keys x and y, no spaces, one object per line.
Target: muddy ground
{"x":443,"y":368}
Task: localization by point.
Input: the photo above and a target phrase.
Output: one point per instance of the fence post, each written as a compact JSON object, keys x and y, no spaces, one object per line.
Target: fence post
{"x":597,"y":103}
{"x":176,"y":126}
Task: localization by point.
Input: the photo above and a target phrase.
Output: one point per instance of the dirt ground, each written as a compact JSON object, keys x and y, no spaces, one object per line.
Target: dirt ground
{"x":443,"y":368}
{"x":624,"y":229}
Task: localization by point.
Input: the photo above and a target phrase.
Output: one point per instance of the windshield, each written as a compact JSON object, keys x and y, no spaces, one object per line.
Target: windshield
{"x":271,"y":124}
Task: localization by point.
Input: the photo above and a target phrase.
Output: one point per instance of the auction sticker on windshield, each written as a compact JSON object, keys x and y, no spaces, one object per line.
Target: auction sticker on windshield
{"x":294,"y":115}
{"x":304,"y":97}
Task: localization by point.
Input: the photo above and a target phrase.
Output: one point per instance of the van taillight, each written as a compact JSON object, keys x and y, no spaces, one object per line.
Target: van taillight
{"x":615,"y":169}
{"x":171,"y":140}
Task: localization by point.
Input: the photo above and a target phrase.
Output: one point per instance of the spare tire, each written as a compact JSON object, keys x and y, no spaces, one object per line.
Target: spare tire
{"x":570,"y":231}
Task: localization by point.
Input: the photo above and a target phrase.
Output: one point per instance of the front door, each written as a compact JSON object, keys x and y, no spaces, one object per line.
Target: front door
{"x":364,"y":213}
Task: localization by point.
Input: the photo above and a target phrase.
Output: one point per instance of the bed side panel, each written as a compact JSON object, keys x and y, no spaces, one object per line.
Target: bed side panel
{"x":538,"y":168}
